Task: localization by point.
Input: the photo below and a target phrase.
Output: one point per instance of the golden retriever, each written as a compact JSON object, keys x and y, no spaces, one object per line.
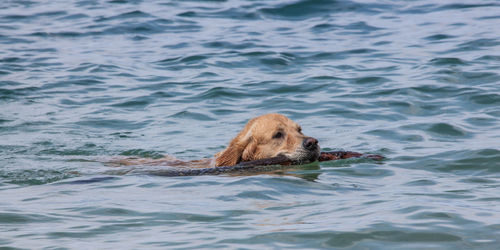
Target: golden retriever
{"x":262,"y":137}
{"x":268,"y":136}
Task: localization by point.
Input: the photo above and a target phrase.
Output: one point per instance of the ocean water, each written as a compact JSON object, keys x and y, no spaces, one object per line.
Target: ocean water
{"x":82,"y":82}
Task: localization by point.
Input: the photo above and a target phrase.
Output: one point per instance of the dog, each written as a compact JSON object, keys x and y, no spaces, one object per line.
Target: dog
{"x":262,"y":137}
{"x":268,"y":136}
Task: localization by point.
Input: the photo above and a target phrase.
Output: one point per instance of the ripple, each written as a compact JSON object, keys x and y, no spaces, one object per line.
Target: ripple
{"x":370,"y":80}
{"x":77,"y":82}
{"x":146,"y":28}
{"x":14,"y":40}
{"x":421,"y":183}
{"x":365,"y":170}
{"x":35,"y":176}
{"x":139,"y":102}
{"x":259,"y":195}
{"x":486,"y":99}
{"x":392,"y":135}
{"x":192,"y":116}
{"x":62,"y":34}
{"x":294,"y":89}
{"x":223,"y":93}
{"x":485,"y":161}
{"x":17,"y":92}
{"x":175,"y":62}
{"x":17,"y":218}
{"x":112,"y":123}
{"x":86,"y":150}
{"x":305,"y":9}
{"x":439,"y":37}
{"x":466,"y":6}
{"x":478,"y":44}
{"x":447,"y":130}
{"x":447,"y":61}
{"x":73,"y":17}
{"x":143,"y":153}
{"x":87,"y":180}
{"x":481,"y":121}
{"x":361,"y":26}
{"x":229,"y":45}
{"x":339,"y":239}
{"x":136,"y":14}
{"x":275,"y":62}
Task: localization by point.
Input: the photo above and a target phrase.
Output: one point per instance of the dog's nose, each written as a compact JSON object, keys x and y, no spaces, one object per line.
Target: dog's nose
{"x":310,"y":143}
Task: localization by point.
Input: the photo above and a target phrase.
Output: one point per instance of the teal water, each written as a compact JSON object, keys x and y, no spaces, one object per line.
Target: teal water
{"x":84,"y":81}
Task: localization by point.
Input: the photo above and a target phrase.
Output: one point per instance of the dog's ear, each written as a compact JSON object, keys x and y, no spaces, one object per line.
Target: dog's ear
{"x":232,"y":154}
{"x":250,"y":150}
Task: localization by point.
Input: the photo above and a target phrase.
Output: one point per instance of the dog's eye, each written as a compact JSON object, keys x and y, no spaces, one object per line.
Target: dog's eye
{"x":299,"y":130}
{"x":278,"y":135}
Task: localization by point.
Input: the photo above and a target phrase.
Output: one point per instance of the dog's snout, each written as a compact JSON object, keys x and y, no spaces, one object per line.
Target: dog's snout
{"x":310,"y":143}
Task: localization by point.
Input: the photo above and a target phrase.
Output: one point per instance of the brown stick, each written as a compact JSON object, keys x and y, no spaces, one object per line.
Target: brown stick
{"x":254,"y":165}
{"x":324,"y":156}
{"x":337,"y":155}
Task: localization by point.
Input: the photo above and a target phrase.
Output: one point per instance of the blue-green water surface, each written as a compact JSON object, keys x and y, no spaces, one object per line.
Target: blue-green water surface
{"x":84,"y":81}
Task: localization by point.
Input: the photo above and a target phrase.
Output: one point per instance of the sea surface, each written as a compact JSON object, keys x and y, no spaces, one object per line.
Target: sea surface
{"x":84,"y":82}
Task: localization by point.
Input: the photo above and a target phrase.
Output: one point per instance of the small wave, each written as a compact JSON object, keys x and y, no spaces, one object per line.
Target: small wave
{"x":229,"y":45}
{"x":477,"y":44}
{"x":466,"y":6}
{"x":439,"y":37}
{"x":64,"y":34}
{"x":185,"y":60}
{"x":454,"y":75}
{"x":429,"y":8}
{"x":15,"y":93}
{"x":115,"y":124}
{"x":35,"y":176}
{"x":70,"y":84}
{"x":445,"y":129}
{"x":87,"y":180}
{"x":192,"y":115}
{"x":134,"y":103}
{"x":73,"y":16}
{"x":10,"y":218}
{"x":136,"y":14}
{"x":370,"y":80}
{"x":347,"y":239}
{"x":466,"y":162}
{"x":447,"y":61}
{"x":305,"y":9}
{"x":134,"y":28}
{"x":143,"y":153}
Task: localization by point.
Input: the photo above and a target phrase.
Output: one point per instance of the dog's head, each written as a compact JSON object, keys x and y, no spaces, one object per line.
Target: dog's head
{"x":269,"y":136}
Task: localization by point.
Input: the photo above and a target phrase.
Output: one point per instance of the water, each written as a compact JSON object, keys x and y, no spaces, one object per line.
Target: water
{"x":84,"y":81}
